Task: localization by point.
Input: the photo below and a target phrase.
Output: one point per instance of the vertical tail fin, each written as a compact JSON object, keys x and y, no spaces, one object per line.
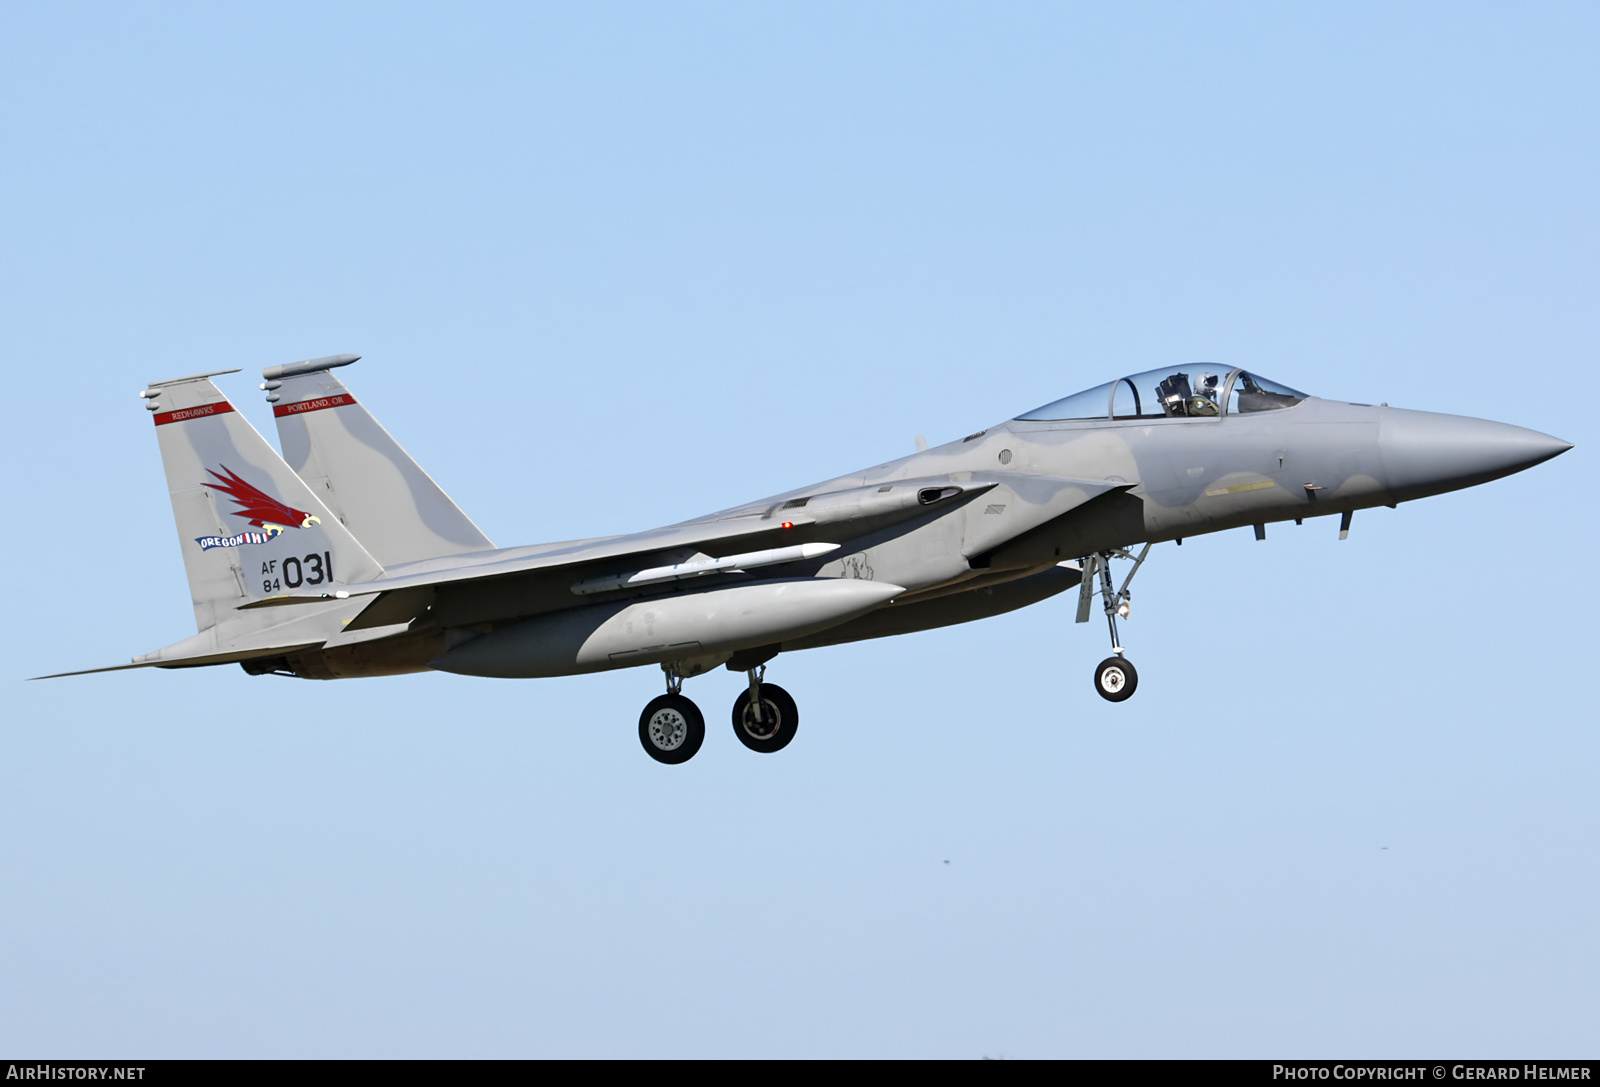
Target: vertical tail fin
{"x":365,"y":477}
{"x":248,"y":526}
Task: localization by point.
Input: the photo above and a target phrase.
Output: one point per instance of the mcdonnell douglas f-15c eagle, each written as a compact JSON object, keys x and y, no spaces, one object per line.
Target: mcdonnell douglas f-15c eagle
{"x":344,"y":558}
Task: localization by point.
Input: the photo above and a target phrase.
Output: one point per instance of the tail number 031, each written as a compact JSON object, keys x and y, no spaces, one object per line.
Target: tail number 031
{"x":312,"y":569}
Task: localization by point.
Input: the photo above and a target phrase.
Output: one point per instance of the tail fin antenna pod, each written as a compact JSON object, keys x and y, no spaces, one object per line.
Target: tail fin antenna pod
{"x":248,"y":526}
{"x":362,"y":474}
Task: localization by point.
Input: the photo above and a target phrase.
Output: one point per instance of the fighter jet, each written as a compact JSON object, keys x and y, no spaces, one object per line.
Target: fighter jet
{"x":343,"y":558}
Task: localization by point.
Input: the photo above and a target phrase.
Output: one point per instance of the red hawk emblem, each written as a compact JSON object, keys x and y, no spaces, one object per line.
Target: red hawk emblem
{"x":259,"y":507}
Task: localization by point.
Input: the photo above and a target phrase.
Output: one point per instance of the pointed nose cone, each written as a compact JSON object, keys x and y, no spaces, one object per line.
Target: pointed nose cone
{"x":1425,"y":453}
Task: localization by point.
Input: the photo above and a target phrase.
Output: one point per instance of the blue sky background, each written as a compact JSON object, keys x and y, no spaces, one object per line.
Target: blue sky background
{"x":616,"y":265}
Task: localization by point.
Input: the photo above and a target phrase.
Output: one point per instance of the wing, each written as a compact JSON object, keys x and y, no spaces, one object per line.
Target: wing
{"x":490,"y":586}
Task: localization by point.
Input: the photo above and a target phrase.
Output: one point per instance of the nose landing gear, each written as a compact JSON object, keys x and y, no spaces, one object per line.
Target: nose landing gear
{"x":1115,"y":678}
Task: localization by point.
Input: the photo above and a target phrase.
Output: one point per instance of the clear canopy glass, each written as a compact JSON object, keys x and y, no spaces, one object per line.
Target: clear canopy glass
{"x":1189,"y":392}
{"x":1251,"y":393}
{"x":1092,"y":403}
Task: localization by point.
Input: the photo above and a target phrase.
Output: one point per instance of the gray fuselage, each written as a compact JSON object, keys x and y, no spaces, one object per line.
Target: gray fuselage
{"x":1025,"y":497}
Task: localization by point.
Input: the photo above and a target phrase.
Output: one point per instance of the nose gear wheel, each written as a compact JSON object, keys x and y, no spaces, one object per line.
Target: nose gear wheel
{"x":1115,"y":679}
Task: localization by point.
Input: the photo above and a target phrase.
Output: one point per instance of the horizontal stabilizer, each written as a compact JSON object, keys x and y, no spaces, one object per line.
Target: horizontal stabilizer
{"x":191,"y":662}
{"x":320,"y":627}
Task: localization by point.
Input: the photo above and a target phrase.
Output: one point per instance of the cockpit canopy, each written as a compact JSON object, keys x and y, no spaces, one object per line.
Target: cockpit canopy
{"x":1187,"y":392}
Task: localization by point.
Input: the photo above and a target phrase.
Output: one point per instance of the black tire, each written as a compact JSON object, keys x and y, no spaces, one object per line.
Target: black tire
{"x":671,"y":729}
{"x":780,"y":717}
{"x":1115,"y":679}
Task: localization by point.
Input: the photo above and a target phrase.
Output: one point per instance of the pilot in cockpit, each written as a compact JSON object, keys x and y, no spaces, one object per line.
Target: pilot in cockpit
{"x":1179,"y":398}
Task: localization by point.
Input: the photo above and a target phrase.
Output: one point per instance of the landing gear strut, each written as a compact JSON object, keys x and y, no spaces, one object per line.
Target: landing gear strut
{"x":1115,"y":677}
{"x":764,"y":717}
{"x":672,"y":728}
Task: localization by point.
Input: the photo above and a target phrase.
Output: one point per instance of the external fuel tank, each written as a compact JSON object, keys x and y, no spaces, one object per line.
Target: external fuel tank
{"x":623,"y":634}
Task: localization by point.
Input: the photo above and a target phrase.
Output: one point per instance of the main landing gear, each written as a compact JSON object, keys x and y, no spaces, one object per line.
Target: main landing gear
{"x":672,"y":728}
{"x":764,"y":717}
{"x":1115,"y":678}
